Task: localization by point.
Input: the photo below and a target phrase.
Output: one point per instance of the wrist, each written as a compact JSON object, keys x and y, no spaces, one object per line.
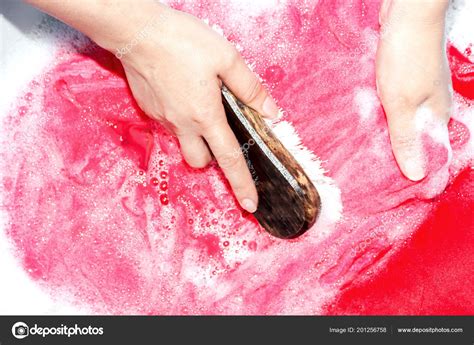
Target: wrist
{"x":126,"y":29}
{"x":112,"y":24}
{"x":424,"y":12}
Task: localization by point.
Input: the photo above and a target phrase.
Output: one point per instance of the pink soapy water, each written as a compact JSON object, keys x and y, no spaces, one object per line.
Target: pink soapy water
{"x":103,"y":207}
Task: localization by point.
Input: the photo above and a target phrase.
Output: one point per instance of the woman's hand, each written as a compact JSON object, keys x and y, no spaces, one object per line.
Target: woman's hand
{"x":175,"y":66}
{"x":412,"y":74}
{"x":176,"y":74}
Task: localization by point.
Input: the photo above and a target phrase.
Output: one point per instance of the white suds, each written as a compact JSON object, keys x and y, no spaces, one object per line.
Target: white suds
{"x":255,"y":8}
{"x":425,"y":122}
{"x":22,"y":56}
{"x":25,"y":51}
{"x":366,"y":102}
{"x":331,"y":204}
{"x":459,"y":23}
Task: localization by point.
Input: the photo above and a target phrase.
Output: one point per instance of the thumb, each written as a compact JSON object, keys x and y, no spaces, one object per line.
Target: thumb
{"x":247,"y":88}
{"x":407,"y":145}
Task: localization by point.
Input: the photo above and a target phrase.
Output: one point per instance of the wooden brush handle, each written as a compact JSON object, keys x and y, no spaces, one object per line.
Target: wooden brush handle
{"x":288,"y":201}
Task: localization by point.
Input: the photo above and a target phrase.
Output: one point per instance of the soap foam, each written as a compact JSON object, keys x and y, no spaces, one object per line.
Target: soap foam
{"x":89,"y":216}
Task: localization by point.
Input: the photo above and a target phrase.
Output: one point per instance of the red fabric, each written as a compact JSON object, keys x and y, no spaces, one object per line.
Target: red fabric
{"x":434,"y":273}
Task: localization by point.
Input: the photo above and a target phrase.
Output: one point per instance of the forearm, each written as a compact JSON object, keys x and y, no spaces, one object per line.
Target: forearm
{"x":109,"y":23}
{"x":423,"y":12}
{"x":421,"y":21}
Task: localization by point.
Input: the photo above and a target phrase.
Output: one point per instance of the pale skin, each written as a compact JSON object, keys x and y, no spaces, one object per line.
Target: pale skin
{"x":412,"y":71}
{"x":176,"y":69}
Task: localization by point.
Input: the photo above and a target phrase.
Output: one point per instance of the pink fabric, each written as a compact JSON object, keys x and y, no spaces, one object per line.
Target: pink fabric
{"x":104,"y":209}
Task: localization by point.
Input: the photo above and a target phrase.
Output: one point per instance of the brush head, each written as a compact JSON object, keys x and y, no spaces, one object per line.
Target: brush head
{"x":288,"y":203}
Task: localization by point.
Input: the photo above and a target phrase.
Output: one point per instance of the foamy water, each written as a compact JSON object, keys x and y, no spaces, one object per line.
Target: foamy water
{"x":90,"y":224}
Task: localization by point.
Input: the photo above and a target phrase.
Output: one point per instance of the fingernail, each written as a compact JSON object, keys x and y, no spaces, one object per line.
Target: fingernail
{"x":248,"y":205}
{"x":270,"y":108}
{"x":413,"y":169}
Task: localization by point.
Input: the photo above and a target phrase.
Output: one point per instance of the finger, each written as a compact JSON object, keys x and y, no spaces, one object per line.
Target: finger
{"x":245,"y":85}
{"x":226,"y":149}
{"x":194,"y":150}
{"x":406,"y":142}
